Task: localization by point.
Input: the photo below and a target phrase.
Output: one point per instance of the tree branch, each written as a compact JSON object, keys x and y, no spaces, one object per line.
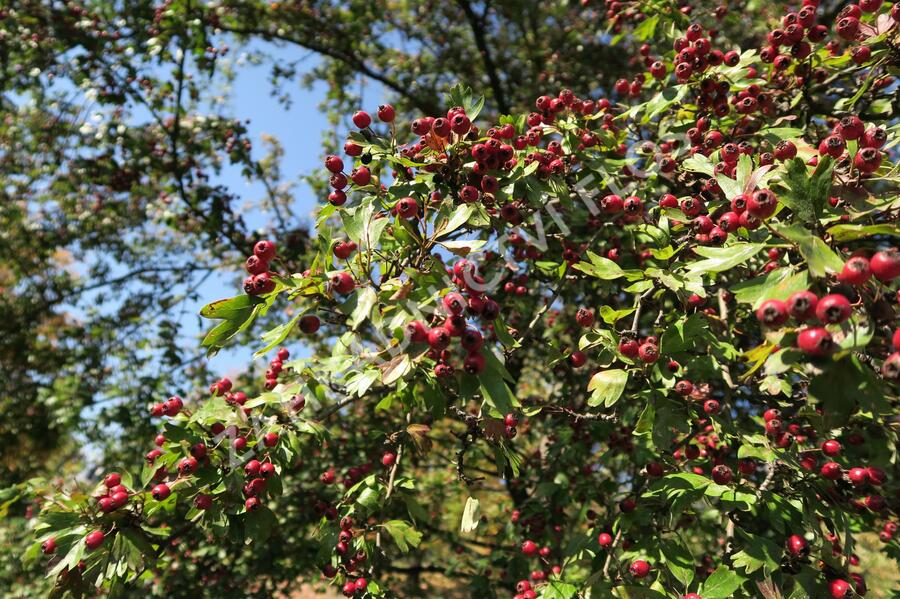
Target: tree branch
{"x":478,"y":33}
{"x":425,"y":105}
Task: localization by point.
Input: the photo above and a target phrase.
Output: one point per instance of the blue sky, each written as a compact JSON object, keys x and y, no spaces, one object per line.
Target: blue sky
{"x":299,"y":128}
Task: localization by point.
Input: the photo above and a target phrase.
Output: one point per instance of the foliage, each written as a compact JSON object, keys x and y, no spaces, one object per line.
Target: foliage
{"x":626,"y":385}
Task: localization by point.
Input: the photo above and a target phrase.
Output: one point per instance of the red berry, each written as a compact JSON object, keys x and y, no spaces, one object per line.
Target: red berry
{"x":48,"y":547}
{"x":386,"y":113}
{"x":639,"y":568}
{"x":251,"y":468}
{"x":815,"y":341}
{"x":891,"y":367}
{"x":309,"y":324}
{"x":605,"y":540}
{"x":439,"y":338}
{"x":772,"y":313}
{"x":831,"y":470}
{"x":858,"y":476}
{"x":173,"y":405}
{"x":203,"y":502}
{"x":264,"y":250}
{"x":797,"y":546}
{"x":762,"y":204}
{"x":722,"y":474}
{"x":629,"y":348}
{"x":160,"y":492}
{"x":711,"y":407}
{"x":529,"y":548}
{"x":833,"y":309}
{"x":93,"y":540}
{"x":867,"y":160}
{"x":361,"y":176}
{"x":684,"y":388}
{"x":831,"y":448}
{"x":856,"y":271}
{"x":585,"y":317}
{"x":187,"y":466}
{"x":342,"y":283}
{"x":255,"y":265}
{"x":876,"y":475}
{"x":407,"y":208}
{"x":648,"y":353}
{"x":362,"y":119}
{"x":577,"y":359}
{"x":785,"y":150}
{"x":840,"y":589}
{"x":334,"y":163}
{"x":885,"y":265}
{"x":874,"y":137}
{"x":802,"y":305}
{"x":454,"y":302}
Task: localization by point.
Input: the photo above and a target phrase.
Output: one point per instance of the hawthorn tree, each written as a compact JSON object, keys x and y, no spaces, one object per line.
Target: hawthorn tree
{"x":637,"y":342}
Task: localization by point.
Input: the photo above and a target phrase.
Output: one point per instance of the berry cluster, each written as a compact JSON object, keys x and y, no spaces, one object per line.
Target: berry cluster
{"x":260,"y":280}
{"x":832,"y":309}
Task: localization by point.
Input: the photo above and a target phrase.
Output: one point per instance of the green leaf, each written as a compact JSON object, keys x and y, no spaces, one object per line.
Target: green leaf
{"x":646,"y":29}
{"x":277,"y":335}
{"x":502,"y":332}
{"x":403,"y":533}
{"x":637,"y":592}
{"x":493,"y":387}
{"x":258,"y":524}
{"x":362,"y":225}
{"x":663,"y":100}
{"x":722,"y":584}
{"x":698,"y":163}
{"x":684,"y":334}
{"x":611,"y":316}
{"x":366,"y":299}
{"x":461,"y":95}
{"x":212,"y":410}
{"x":645,"y":422}
{"x":821,"y":259}
{"x":231,"y":308}
{"x":842,"y":233}
{"x":462,"y":247}
{"x":669,"y":416}
{"x":759,"y":452}
{"x":134,"y":547}
{"x":855,"y":333}
{"x":369,"y":498}
{"x":691,"y":282}
{"x":808,"y":194}
{"x":471,"y":515}
{"x":778,"y":284}
{"x":599,"y":267}
{"x":678,"y":559}
{"x":724,"y":258}
{"x":606,"y":387}
{"x":730,"y":187}
{"x":757,"y":552}
{"x":239,"y":314}
{"x":844,"y":387}
{"x":557,"y":589}
{"x":458,"y":218}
